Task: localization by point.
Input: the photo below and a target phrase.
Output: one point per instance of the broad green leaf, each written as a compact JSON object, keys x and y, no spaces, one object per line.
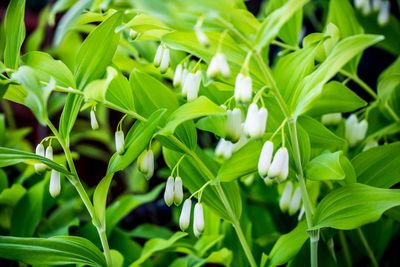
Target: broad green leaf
{"x":58,"y":250}
{"x":69,"y":115}
{"x":335,"y":97}
{"x":11,"y":196}
{"x":151,"y":94}
{"x":28,"y":211}
{"x":213,"y":124}
{"x":354,"y":205}
{"x":341,"y":54}
{"x":288,"y":245}
{"x":200,"y":107}
{"x":14,"y":30}
{"x":389,"y":92}
{"x":120,"y":93}
{"x":69,"y":19}
{"x":10,"y":156}
{"x":325,"y":167}
{"x":33,"y":95}
{"x":242,"y":162}
{"x":46,"y":67}
{"x":117,"y":258}
{"x":125,"y":204}
{"x":379,"y":166}
{"x":272,"y":24}
{"x":97,"y":51}
{"x":320,"y":136}
{"x":156,"y":245}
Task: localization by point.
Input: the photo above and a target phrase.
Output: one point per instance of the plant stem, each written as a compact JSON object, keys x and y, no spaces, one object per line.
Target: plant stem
{"x":75,"y":181}
{"x":346,"y":252}
{"x":367,"y":247}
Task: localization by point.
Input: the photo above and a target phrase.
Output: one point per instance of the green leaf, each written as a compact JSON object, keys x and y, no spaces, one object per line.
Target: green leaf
{"x":120,"y":93}
{"x":10,"y":156}
{"x":325,"y":167}
{"x":354,"y":205}
{"x":155,"y":245}
{"x":335,"y":97}
{"x":242,"y":162}
{"x":389,"y":91}
{"x":341,"y":54}
{"x":379,"y":166}
{"x":11,"y":196}
{"x":51,"y":251}
{"x":213,"y":124}
{"x":200,"y":107}
{"x":97,"y":51}
{"x":14,"y":30}
{"x":126,"y":203}
{"x":46,"y":67}
{"x":151,"y":94}
{"x":272,"y":24}
{"x":288,"y":245}
{"x":28,"y":211}
{"x":34,"y":96}
{"x":69,"y":115}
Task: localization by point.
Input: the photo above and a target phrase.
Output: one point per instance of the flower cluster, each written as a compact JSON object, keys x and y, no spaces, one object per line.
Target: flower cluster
{"x":173,"y":191}
{"x":355,"y":130}
{"x":272,"y":167}
{"x":55,"y":177}
{"x":380,"y":6}
{"x":290,"y":200}
{"x":162,"y":58}
{"x":198,"y":217}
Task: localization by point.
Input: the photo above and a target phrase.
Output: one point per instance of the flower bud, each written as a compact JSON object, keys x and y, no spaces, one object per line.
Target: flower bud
{"x":93,"y":121}
{"x":133,"y":34}
{"x":202,"y":37}
{"x":243,"y":88}
{"x":184,"y":219}
{"x":178,"y":191}
{"x":362,"y":130}
{"x":55,"y":184}
{"x":331,"y":118}
{"x":39,"y":167}
{"x":224,"y":149}
{"x":177,"y":81}
{"x":233,"y":125}
{"x":191,"y":85}
{"x":158,"y":56}
{"x":384,"y":13}
{"x":286,"y":197}
{"x":264,"y":161}
{"x":165,"y":60}
{"x":256,"y":121}
{"x":119,"y":142}
{"x":218,"y":65}
{"x":49,"y":152}
{"x":280,"y":165}
{"x":295,"y":202}
{"x":169,"y":191}
{"x":146,"y":163}
{"x":198,"y":219}
{"x":355,"y":131}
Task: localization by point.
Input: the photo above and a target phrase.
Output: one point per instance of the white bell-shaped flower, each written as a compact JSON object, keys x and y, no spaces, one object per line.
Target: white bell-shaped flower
{"x":264,"y":161}
{"x":93,"y":121}
{"x":376,"y":5}
{"x":198,"y":219}
{"x":146,"y":163}
{"x":202,"y":37}
{"x":119,"y":142}
{"x":295,"y":202}
{"x":355,"y":131}
{"x":177,"y":80}
{"x":384,"y":13}
{"x":191,"y":85}
{"x":331,"y":118}
{"x":178,"y":191}
{"x":55,"y":184}
{"x":49,"y":152}
{"x":165,"y":59}
{"x":280,"y":165}
{"x":218,"y":65}
{"x":169,"y":191}
{"x":285,"y":200}
{"x":184,"y":219}
{"x":256,"y":121}
{"x":359,"y":3}
{"x":224,"y":149}
{"x":158,"y":56}
{"x":243,"y":88}
{"x":366,"y":8}
{"x":233,"y":125}
{"x":39,"y":167}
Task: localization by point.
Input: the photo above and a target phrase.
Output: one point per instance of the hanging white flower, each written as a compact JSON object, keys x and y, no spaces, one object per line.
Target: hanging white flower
{"x":233,"y":125}
{"x":165,"y":59}
{"x":331,"y":118}
{"x":119,"y":142}
{"x":191,"y":85}
{"x":178,"y":191}
{"x":218,"y":65}
{"x":286,"y":197}
{"x":384,"y":13}
{"x":49,"y":152}
{"x":39,"y":167}
{"x":355,"y":131}
{"x":295,"y":202}
{"x":93,"y":121}
{"x":177,"y":81}
{"x":264,"y":161}
{"x":243,"y":88}
{"x":280,"y":165}
{"x":158,"y":56}
{"x":146,"y":163}
{"x":198,"y":219}
{"x":256,"y":121}
{"x":169,"y":191}
{"x":224,"y":149}
{"x":55,"y":184}
{"x":184,"y":219}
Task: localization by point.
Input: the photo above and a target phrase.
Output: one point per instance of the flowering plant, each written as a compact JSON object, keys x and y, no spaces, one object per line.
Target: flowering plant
{"x":268,"y":145}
